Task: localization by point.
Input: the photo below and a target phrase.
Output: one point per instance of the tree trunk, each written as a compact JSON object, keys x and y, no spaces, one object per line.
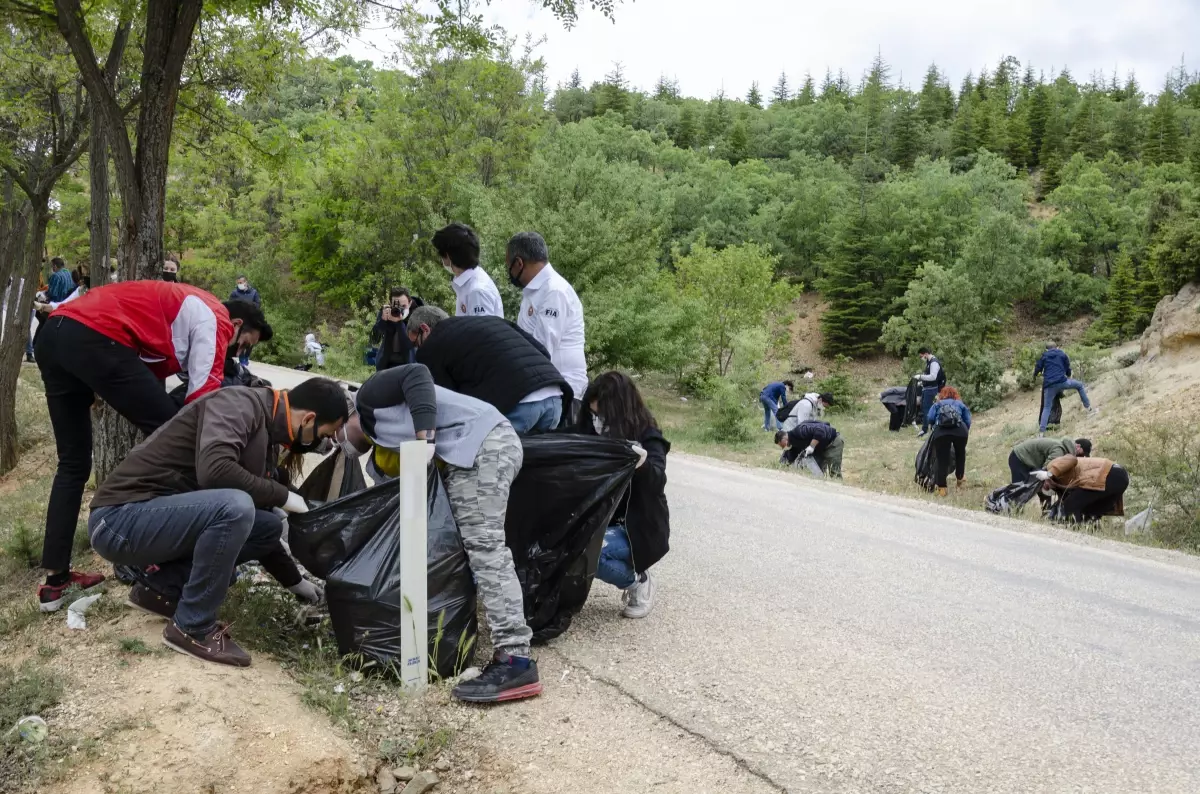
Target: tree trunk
{"x":99,"y":235}
{"x":18,"y":301}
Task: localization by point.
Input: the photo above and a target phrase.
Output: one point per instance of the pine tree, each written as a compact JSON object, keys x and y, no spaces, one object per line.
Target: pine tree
{"x":782,"y":92}
{"x":1120,"y":304}
{"x":963,"y":139}
{"x":1087,"y":133}
{"x":685,"y":132}
{"x":808,"y":93}
{"x":717,"y":117}
{"x":872,"y":98}
{"x":754,"y":98}
{"x":1030,"y":83}
{"x":906,"y":142}
{"x":614,"y":92}
{"x":1194,"y":154}
{"x":1019,"y":148}
{"x":739,"y":142}
{"x":1039,"y":114}
{"x":853,"y":287}
{"x":576,"y":82}
{"x":966,"y":90}
{"x":1126,"y":128}
{"x":1164,"y":136}
{"x":665,"y":89}
{"x":936,"y":103}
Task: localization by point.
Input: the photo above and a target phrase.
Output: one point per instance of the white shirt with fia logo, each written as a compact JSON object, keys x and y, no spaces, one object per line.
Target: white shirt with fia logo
{"x":552,"y":314}
{"x":476,"y":295}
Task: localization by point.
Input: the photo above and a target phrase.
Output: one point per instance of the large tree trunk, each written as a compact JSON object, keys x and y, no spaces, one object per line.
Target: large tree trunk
{"x":99,"y":234}
{"x":20,"y":284}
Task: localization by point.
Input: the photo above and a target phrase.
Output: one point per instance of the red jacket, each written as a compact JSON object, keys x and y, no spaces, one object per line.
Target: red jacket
{"x":173,"y":327}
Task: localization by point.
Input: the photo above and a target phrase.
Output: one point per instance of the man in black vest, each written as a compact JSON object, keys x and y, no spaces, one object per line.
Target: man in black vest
{"x":932,"y":380}
{"x":493,"y":360}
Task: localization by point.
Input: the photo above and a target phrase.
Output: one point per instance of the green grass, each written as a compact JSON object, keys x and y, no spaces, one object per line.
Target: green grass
{"x":134,"y":646}
{"x":28,"y":690}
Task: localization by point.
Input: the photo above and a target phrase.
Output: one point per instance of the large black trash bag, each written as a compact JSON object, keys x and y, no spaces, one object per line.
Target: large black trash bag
{"x":1011,"y":498}
{"x":926,"y":476}
{"x":334,"y":477}
{"x":563,"y":499}
{"x":1055,"y":409}
{"x":353,"y":543}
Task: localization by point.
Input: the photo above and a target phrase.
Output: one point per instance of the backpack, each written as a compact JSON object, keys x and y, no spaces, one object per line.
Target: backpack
{"x":947,"y":415}
{"x":783,"y":413}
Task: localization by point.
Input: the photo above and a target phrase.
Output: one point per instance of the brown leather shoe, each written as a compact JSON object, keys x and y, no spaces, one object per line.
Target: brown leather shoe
{"x":217,"y":646}
{"x":150,"y":601}
{"x":962,"y":483}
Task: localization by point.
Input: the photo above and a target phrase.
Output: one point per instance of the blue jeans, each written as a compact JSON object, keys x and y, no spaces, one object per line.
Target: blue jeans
{"x":537,"y":417}
{"x":928,"y":398}
{"x":203,"y":529}
{"x":1052,"y":391}
{"x":616,"y":559}
{"x":769,"y":409}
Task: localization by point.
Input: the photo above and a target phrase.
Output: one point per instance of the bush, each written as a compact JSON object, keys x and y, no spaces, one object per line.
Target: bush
{"x":1024,"y":362}
{"x":978,"y":380}
{"x":847,"y":392}
{"x":1164,"y":468}
{"x":729,"y":413}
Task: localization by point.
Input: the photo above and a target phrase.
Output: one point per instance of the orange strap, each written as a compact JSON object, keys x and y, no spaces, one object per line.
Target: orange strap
{"x":287,"y":406}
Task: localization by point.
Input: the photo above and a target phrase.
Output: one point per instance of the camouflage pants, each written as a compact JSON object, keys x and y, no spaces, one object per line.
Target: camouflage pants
{"x":479,"y":499}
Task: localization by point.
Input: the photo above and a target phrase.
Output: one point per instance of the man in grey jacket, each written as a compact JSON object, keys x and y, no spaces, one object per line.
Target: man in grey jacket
{"x":482,"y":455}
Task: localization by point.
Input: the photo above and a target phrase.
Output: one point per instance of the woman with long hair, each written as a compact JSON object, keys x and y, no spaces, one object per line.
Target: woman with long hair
{"x":951,"y":422}
{"x":641,"y":530}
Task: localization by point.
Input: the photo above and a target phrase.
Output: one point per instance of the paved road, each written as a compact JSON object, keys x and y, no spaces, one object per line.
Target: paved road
{"x":828,"y":640}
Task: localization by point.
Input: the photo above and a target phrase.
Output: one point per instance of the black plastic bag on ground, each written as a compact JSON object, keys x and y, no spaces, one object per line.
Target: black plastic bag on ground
{"x":1011,"y":498}
{"x":1055,"y":409}
{"x":353,"y":543}
{"x":565,"y":496}
{"x":926,"y":476}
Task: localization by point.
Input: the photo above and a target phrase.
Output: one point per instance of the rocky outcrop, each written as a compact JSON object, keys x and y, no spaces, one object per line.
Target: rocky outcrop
{"x":1175,"y":328}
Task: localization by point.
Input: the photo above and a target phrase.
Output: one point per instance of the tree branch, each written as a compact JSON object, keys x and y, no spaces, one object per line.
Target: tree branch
{"x":20,"y":180}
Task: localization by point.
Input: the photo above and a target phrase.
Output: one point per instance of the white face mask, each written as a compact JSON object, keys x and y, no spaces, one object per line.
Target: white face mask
{"x":598,"y":425}
{"x":243,"y":287}
{"x":448,"y":268}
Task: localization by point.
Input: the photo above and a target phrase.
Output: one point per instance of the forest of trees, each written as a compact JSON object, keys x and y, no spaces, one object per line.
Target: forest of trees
{"x":921,"y":214}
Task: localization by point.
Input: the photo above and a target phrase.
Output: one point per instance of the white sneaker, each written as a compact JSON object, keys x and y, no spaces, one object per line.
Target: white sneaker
{"x":639,"y":598}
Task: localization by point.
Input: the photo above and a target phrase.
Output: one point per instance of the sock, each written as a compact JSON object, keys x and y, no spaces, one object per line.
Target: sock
{"x":58,"y":579}
{"x":519,"y":662}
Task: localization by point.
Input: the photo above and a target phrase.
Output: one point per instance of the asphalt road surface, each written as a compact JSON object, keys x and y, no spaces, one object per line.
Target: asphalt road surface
{"x":830,"y":640}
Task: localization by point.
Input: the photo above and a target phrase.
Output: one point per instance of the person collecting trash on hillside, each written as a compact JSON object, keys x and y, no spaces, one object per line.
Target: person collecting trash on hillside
{"x":773,"y":397}
{"x":1055,"y":368}
{"x":951,"y":422}
{"x":482,"y":455}
{"x":810,"y":406}
{"x":197,"y":498}
{"x":314,"y":350}
{"x":1037,"y":453}
{"x":1091,"y":487}
{"x":641,"y":532}
{"x":818,"y":446}
{"x":931,"y":381}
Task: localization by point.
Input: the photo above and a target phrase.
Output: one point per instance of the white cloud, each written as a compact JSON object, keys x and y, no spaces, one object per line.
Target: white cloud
{"x":710,"y":44}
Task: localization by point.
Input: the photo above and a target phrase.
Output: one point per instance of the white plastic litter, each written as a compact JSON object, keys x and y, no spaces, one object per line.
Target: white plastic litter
{"x":78,"y":609}
{"x":1141,"y":522}
{"x":32,"y":729}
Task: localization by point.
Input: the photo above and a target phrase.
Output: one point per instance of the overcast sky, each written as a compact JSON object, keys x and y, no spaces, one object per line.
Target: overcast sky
{"x":710,"y":44}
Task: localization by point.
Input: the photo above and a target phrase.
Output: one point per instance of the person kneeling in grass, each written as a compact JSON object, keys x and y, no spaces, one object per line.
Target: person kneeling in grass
{"x":198,"y":494}
{"x":641,"y":530}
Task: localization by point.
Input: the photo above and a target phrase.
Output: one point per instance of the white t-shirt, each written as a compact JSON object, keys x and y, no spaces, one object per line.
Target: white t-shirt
{"x":552,"y":314}
{"x":476,"y":295}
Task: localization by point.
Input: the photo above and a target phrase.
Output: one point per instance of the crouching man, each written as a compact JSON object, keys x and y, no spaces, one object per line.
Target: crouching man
{"x":195,"y":498}
{"x":816,"y":445}
{"x":482,"y":455}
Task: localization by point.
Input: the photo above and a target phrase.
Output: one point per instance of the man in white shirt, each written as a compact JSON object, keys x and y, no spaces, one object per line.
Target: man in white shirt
{"x":809,"y":407}
{"x":475,"y":292}
{"x":550,"y":310}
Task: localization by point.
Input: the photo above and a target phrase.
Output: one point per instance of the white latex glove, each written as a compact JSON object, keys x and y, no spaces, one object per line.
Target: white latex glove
{"x":41,"y":307}
{"x":308,"y":592}
{"x":430,"y":451}
{"x":641,"y":453}
{"x":1041,"y":475}
{"x":295,"y":503}
{"x":804,"y":453}
{"x":918,"y":376}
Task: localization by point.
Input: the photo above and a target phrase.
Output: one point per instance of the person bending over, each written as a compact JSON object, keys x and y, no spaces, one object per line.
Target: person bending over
{"x":640,"y":535}
{"x":197,"y":495}
{"x":816,"y":445}
{"x":1091,"y":487}
{"x":482,"y":455}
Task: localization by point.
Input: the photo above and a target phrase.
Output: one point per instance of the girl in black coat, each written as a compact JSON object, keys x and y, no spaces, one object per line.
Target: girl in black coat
{"x":640,"y":534}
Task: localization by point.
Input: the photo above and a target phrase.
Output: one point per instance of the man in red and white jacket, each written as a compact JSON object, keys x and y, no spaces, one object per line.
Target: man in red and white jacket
{"x":119,"y":342}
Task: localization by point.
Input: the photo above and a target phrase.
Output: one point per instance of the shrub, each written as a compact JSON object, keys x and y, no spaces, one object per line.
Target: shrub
{"x":1164,"y":468}
{"x":847,"y":392}
{"x":978,"y":380}
{"x":1024,"y":362}
{"x":729,"y":413}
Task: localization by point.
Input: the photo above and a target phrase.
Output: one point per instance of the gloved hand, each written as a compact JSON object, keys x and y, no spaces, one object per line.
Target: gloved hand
{"x":1041,"y":475}
{"x":295,"y":503}
{"x":308,"y":592}
{"x":641,"y":453}
{"x":41,"y":307}
{"x":804,"y":453}
{"x":430,"y":451}
{"x":918,"y":376}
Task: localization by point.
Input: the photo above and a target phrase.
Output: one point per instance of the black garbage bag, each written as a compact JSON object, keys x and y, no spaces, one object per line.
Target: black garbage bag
{"x":1055,"y":409}
{"x":353,"y":543}
{"x":565,"y":496}
{"x":926,"y":476}
{"x":912,"y":402}
{"x":894,"y":400}
{"x":1011,"y":498}
{"x":334,"y":477}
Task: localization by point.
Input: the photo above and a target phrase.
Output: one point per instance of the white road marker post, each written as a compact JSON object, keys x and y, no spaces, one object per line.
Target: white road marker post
{"x":414,"y":640}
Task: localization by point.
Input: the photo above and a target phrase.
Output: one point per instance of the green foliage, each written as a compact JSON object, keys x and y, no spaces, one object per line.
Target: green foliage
{"x":1025,"y":362}
{"x":731,"y":408}
{"x":847,"y":391}
{"x":1164,"y":469}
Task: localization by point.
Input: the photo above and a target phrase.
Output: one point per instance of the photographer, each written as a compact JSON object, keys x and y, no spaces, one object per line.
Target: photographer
{"x":392,"y":327}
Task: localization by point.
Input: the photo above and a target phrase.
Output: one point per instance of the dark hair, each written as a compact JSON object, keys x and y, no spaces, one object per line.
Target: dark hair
{"x":1086,"y":445}
{"x":57,"y":263}
{"x":780,"y":435}
{"x":789,"y":384}
{"x":322,"y":396}
{"x":529,"y":246}
{"x":949,"y":393}
{"x":924,"y":352}
{"x":459,"y":242}
{"x":826,"y":398}
{"x":251,"y":316}
{"x":77,"y":276}
{"x":240,"y":277}
{"x":398,"y":291}
{"x":621,"y":405}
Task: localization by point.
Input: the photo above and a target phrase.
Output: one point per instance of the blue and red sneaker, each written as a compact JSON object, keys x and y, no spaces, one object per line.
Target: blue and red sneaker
{"x":505,"y":678}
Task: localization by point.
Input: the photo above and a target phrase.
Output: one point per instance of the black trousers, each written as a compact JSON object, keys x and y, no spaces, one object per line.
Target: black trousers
{"x":1082,"y":505}
{"x":1020,"y":473}
{"x":942,"y":446}
{"x":77,"y":364}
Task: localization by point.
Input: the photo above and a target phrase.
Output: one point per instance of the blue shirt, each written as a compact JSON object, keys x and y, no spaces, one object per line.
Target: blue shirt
{"x":61,"y":286}
{"x":1055,"y":365}
{"x":775,"y":392}
{"x":963,"y":411}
